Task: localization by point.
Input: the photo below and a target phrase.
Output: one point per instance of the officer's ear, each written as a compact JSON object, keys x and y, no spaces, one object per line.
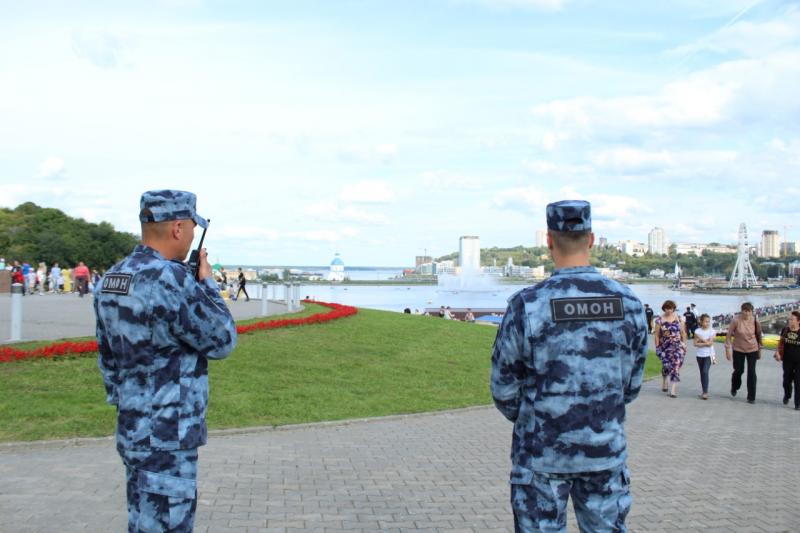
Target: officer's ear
{"x":549,"y":241}
{"x":176,"y":229}
{"x":591,"y":239}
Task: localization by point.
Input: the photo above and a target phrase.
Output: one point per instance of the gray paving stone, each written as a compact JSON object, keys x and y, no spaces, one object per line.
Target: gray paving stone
{"x":717,"y":465}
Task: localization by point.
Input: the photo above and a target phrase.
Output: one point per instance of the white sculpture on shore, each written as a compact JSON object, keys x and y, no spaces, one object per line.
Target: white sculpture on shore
{"x":743,"y":276}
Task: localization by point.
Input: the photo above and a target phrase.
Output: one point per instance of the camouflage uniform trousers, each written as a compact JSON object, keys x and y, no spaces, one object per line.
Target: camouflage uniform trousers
{"x":162,"y":490}
{"x":601,"y":501}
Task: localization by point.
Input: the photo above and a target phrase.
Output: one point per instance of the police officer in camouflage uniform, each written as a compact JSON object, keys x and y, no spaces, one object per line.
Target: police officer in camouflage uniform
{"x":157,"y":327}
{"x":568,"y":357}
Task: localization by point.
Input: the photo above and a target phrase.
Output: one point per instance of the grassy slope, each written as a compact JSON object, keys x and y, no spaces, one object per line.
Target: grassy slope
{"x":375,"y":363}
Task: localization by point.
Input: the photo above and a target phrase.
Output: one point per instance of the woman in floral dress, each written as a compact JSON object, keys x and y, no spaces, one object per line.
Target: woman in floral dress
{"x":670,"y":339}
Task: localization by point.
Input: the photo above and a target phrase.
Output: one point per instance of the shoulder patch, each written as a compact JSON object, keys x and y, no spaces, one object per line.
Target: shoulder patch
{"x":585,"y":309}
{"x":117,"y":283}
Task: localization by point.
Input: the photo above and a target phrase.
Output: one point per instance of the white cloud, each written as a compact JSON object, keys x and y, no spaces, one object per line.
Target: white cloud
{"x":52,"y":168}
{"x":752,"y":39}
{"x":332,"y":211}
{"x":386,"y":152}
{"x":325,"y":235}
{"x":361,"y":153}
{"x":99,"y":48}
{"x":545,"y":168}
{"x":552,"y":139}
{"x":542,"y":5}
{"x":372,"y":192}
{"x":731,"y":96}
{"x":444,"y":180}
{"x":784,"y":201}
{"x":524,"y":199}
{"x":245,"y":232}
{"x":615,"y":208}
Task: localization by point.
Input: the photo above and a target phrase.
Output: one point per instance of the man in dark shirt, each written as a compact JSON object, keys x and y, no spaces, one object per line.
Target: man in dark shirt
{"x":648,"y":312}
{"x":691,"y":322}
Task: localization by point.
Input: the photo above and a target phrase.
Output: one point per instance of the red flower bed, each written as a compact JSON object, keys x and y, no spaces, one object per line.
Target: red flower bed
{"x":67,"y":348}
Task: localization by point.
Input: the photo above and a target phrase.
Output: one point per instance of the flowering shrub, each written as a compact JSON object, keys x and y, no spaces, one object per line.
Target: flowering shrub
{"x":67,"y":348}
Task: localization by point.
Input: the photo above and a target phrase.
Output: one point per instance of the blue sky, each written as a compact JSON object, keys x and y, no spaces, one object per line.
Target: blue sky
{"x":378,"y":129}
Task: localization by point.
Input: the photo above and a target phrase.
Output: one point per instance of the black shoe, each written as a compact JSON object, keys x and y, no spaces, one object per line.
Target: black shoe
{"x":751,"y":401}
{"x":733,"y":392}
{"x":797,"y":407}
{"x":785,"y":400}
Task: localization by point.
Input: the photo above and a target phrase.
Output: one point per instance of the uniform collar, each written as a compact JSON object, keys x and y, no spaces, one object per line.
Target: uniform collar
{"x":575,"y":270}
{"x":144,"y":249}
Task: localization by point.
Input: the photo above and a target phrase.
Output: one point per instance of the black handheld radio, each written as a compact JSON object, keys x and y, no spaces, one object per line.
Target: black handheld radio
{"x":194,"y":257}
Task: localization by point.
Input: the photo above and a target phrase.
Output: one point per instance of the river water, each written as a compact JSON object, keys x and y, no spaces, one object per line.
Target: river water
{"x":398,"y":297}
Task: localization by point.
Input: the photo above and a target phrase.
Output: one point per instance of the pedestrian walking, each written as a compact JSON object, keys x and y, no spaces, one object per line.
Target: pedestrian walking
{"x":41,"y":273}
{"x":789,"y":353}
{"x":52,"y":278}
{"x":743,"y":343}
{"x":223,"y":278}
{"x":242,"y":286}
{"x":704,"y":342}
{"x":690,"y":320}
{"x":566,"y":400}
{"x":66,"y":280}
{"x":157,"y":327}
{"x":82,"y":278}
{"x":670,"y":340}
{"x":648,"y":313}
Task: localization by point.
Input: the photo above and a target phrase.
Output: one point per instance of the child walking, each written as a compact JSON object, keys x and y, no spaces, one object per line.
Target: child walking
{"x":704,"y":341}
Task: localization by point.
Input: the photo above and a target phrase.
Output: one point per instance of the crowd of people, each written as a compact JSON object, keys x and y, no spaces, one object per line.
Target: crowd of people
{"x":743,"y":345}
{"x":53,"y":280}
{"x":724,"y":320}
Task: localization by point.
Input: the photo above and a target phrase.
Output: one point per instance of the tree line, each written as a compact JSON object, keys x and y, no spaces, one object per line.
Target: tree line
{"x":32,"y":233}
{"x":707,"y":264}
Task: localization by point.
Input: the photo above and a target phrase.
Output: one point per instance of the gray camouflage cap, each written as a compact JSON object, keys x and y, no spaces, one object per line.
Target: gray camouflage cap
{"x":569,"y":215}
{"x":169,"y":205}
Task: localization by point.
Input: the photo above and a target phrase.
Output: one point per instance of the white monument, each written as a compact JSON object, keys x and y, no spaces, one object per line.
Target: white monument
{"x":337,"y":270}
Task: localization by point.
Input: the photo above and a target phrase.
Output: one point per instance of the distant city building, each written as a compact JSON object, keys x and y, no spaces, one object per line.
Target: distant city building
{"x":657,"y":273}
{"x":422,"y":259}
{"x":469,"y":253}
{"x":794,"y":268}
{"x":657,"y":242}
{"x":770,"y":243}
{"x":337,"y":269}
{"x":613,"y":273}
{"x":445,"y":268}
{"x":427,"y":269}
{"x":721,"y":249}
{"x":603,"y":242}
{"x":541,"y":238}
{"x":633,"y":248}
{"x":688,"y":248}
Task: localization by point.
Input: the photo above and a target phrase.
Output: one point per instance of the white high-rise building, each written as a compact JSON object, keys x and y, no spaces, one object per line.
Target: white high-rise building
{"x":541,"y":238}
{"x":657,"y":242}
{"x":469,"y":253}
{"x":770,"y":244}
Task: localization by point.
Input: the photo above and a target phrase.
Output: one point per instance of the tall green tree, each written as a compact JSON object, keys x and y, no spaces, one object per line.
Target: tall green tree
{"x":33,"y":234}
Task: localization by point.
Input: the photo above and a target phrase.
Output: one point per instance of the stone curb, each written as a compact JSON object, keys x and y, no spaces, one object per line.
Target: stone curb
{"x":87,"y":441}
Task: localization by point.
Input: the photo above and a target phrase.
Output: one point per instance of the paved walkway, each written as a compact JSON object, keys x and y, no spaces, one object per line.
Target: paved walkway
{"x":59,"y":316}
{"x":714,"y":466}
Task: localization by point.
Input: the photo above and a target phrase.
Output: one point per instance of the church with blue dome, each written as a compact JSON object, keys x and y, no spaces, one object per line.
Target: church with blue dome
{"x":337,"y":269}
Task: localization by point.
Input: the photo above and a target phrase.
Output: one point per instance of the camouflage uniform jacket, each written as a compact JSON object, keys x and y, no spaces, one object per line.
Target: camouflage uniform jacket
{"x":565,"y":383}
{"x":156,"y":329}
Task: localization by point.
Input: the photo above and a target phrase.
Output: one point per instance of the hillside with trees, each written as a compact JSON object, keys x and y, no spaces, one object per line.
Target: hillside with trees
{"x":33,"y":234}
{"x":707,"y":264}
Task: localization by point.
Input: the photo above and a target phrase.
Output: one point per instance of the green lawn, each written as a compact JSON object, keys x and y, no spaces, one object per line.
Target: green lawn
{"x":372,"y":364}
